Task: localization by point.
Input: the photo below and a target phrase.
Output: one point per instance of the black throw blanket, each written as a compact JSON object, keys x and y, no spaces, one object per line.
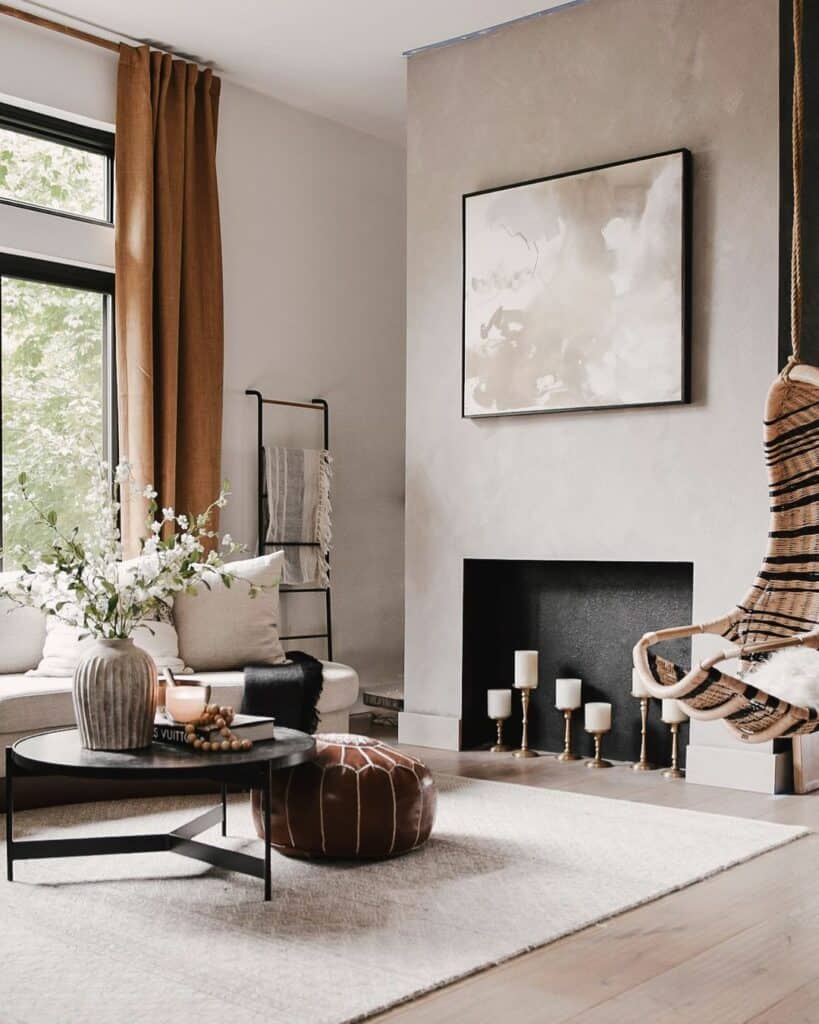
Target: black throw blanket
{"x":289,"y":693}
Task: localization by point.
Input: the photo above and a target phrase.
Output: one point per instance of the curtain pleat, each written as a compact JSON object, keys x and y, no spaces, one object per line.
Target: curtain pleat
{"x":170,"y":338}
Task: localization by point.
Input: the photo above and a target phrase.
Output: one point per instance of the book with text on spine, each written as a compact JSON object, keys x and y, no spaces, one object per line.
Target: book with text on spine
{"x":244,"y":727}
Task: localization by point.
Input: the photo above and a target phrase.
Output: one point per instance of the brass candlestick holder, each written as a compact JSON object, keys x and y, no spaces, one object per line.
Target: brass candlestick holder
{"x":643,"y":765}
{"x":567,"y":754}
{"x":500,"y":747}
{"x":598,"y":761}
{"x":674,"y":772}
{"x":525,"y":693}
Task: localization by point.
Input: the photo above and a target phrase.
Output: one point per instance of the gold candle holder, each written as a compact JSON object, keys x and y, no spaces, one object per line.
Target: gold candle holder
{"x":500,"y":747}
{"x":674,"y":772}
{"x":643,"y":765}
{"x":597,"y":761}
{"x":525,"y":693}
{"x":567,"y":754}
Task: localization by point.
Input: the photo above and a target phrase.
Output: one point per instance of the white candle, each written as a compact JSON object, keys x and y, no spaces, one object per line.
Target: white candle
{"x":185,"y":703}
{"x":598,"y":716}
{"x":567,"y":693}
{"x":525,"y":670}
{"x":638,"y":686}
{"x":673,"y":711}
{"x":499,"y":703}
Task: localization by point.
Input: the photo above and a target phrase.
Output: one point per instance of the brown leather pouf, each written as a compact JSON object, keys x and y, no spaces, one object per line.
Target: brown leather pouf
{"x":357,"y":798}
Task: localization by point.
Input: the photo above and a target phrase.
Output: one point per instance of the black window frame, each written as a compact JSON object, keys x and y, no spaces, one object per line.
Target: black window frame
{"x":68,"y":275}
{"x":65,"y":133}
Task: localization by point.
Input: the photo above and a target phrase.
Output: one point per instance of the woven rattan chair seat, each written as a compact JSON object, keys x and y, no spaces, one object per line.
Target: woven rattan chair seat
{"x":781,"y":609}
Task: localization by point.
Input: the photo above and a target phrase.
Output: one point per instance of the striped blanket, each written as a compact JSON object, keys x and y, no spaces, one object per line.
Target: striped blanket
{"x":298,"y":511}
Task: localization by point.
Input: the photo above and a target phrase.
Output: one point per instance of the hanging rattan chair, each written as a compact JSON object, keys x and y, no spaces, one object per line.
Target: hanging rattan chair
{"x":782,"y":607}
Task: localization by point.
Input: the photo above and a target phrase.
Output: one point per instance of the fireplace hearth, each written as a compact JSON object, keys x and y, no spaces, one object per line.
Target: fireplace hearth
{"x":584,"y":618}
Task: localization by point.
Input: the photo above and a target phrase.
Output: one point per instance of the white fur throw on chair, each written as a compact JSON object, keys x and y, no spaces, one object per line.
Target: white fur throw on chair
{"x":791,"y":675}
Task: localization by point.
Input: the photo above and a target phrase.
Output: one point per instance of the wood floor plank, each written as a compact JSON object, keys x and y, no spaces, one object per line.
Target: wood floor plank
{"x":729,"y":983}
{"x":798,"y":1007}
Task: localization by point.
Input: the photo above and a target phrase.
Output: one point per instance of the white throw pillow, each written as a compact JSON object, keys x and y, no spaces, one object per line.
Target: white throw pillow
{"x":22,"y":631}
{"x":225,"y":628}
{"x":160,"y":640}
{"x":63,"y":647}
{"x":62,"y":650}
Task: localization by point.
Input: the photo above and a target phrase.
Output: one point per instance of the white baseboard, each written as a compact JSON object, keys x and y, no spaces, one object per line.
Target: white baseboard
{"x":746,"y":769}
{"x":717,"y":734}
{"x":440,"y":731}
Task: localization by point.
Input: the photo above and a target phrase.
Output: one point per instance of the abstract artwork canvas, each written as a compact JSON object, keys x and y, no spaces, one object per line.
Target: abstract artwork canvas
{"x":576,"y":290}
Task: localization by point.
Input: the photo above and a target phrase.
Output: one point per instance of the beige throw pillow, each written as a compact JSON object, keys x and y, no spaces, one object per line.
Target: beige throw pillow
{"x":224,"y":628}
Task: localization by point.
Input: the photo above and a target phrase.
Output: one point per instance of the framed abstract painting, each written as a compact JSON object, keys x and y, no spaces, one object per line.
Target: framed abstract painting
{"x":576,"y":290}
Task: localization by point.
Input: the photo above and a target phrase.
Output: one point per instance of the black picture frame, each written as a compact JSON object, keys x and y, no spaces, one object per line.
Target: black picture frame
{"x":685,"y":240}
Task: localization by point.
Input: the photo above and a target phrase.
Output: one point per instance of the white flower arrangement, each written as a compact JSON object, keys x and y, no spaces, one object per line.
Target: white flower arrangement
{"x":83,"y":582}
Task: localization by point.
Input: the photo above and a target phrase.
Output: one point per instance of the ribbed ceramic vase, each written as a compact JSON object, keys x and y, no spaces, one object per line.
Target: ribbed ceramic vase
{"x":115,"y":696}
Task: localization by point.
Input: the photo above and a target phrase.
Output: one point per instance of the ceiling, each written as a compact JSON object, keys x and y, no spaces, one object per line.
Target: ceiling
{"x":340,"y":59}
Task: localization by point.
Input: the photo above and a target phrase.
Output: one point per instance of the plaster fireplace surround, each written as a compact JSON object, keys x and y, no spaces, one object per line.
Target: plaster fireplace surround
{"x":583,"y":618}
{"x":651,"y":486}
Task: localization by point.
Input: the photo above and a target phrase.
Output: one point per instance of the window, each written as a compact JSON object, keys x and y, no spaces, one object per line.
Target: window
{"x":54,"y":165}
{"x":56,"y":389}
{"x":56,"y":321}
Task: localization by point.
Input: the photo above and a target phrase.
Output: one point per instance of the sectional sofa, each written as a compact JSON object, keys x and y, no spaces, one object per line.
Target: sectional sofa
{"x":36,"y":661}
{"x":33,"y":703}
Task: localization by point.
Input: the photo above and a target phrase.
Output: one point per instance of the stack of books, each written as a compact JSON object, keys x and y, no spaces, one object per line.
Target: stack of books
{"x":243,"y":727}
{"x":390,"y":700}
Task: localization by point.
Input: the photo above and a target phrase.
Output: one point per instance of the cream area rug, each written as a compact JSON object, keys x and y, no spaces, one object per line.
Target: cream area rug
{"x":156,"y":937}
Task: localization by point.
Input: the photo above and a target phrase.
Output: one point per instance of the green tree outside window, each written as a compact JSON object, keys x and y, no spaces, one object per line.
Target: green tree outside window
{"x":53,"y":338}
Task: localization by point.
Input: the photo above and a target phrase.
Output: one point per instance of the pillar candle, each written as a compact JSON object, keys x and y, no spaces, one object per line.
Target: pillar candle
{"x":598,"y":716}
{"x":499,"y":703}
{"x":673,"y":711}
{"x":525,"y":669}
{"x":567,"y":693}
{"x":638,"y":686}
{"x":185,"y":703}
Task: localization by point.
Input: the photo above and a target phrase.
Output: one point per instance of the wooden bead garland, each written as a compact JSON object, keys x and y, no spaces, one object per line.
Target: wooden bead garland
{"x":221,"y":718}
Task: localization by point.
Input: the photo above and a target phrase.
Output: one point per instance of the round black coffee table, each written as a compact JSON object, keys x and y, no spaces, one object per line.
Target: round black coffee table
{"x":60,"y":752}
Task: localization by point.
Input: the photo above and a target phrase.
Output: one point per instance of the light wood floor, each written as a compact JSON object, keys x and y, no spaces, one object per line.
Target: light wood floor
{"x":740,"y":947}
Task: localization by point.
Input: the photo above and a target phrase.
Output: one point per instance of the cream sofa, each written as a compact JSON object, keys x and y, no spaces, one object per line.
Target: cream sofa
{"x":33,"y":703}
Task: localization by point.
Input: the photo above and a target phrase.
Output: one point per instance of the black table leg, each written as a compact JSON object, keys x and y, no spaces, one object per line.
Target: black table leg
{"x":268,"y":772}
{"x":224,"y":809}
{"x":9,"y":815}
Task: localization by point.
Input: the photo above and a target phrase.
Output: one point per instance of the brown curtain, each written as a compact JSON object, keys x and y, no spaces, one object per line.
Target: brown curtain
{"x":169,"y":312}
